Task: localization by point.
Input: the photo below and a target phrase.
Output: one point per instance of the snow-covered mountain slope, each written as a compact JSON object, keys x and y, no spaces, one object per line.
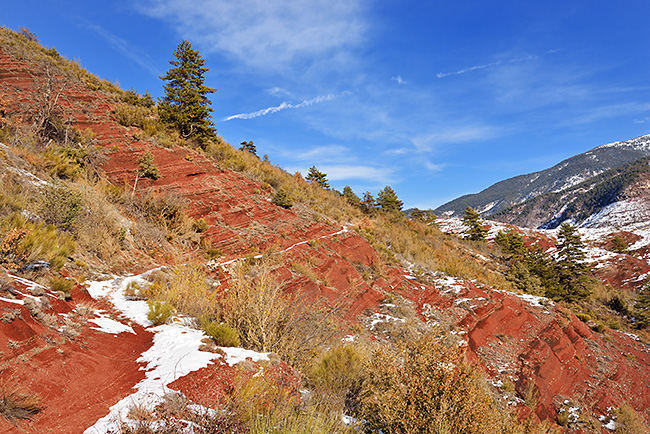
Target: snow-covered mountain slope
{"x":558,"y":178}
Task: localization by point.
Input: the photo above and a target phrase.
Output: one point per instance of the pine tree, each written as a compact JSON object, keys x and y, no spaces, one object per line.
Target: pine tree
{"x":572,"y":271}
{"x":248,"y":147}
{"x":368,"y":203}
{"x":317,"y":177}
{"x":388,"y":201}
{"x":352,"y":198}
{"x":185,"y":104}
{"x":424,"y":216}
{"x":472,"y":220}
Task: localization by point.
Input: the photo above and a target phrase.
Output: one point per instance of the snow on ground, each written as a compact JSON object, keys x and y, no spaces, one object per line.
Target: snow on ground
{"x":448,"y":283}
{"x":107,"y":325}
{"x":174,"y":353}
{"x":631,"y":215}
{"x":378,"y":318}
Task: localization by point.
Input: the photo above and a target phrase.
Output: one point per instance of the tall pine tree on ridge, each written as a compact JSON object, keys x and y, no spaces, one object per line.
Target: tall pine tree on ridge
{"x":185,"y":104}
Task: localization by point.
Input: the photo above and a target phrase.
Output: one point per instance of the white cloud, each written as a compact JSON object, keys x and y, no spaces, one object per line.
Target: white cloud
{"x":279,"y":92}
{"x":127,"y":50}
{"x":326,"y":154}
{"x":597,"y":113}
{"x":460,"y":134}
{"x":284,"y":106}
{"x":399,"y":80}
{"x":346,"y":172}
{"x":432,"y":166}
{"x":497,"y":63}
{"x":265,"y":33}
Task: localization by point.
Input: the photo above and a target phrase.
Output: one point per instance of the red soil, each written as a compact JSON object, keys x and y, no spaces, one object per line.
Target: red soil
{"x":77,"y":379}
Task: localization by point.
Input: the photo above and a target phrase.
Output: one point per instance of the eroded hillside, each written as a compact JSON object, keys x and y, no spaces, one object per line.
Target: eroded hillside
{"x":371,"y":277}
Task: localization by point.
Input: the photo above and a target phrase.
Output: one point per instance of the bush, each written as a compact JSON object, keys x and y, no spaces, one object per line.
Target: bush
{"x":282,"y":199}
{"x":338,"y":374}
{"x":61,"y":284}
{"x":200,"y":226}
{"x":223,"y":335}
{"x":186,"y":288}
{"x":28,"y":242}
{"x":268,"y":320}
{"x":628,"y":421}
{"x":159,"y":312}
{"x":147,"y":168}
{"x":426,"y":387}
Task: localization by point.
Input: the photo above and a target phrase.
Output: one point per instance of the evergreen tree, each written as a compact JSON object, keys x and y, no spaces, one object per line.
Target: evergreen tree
{"x":572,"y":271}
{"x":424,"y":216}
{"x":388,"y":201}
{"x":512,"y":245}
{"x":619,"y":245}
{"x":472,"y":220}
{"x":349,"y":195}
{"x":315,"y":176}
{"x":642,"y":306}
{"x":185,"y":104}
{"x":369,"y":204}
{"x":248,"y":147}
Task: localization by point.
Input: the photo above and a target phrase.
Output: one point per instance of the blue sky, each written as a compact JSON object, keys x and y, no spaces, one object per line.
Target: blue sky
{"x":434,"y":98}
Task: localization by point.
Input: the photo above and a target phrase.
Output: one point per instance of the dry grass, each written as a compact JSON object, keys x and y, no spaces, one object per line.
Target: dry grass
{"x":268,"y":319}
{"x":628,"y":421}
{"x":16,"y":405}
{"x":186,"y":287}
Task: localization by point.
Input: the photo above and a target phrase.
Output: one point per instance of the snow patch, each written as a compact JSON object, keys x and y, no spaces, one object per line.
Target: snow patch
{"x":107,"y":325}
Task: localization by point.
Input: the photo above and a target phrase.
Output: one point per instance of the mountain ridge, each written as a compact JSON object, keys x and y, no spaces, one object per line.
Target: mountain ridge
{"x":565,"y":174}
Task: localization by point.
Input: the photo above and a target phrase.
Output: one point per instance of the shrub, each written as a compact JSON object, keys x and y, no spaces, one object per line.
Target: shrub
{"x":628,"y":421}
{"x":61,"y":284}
{"x":426,"y":387}
{"x":131,"y":115}
{"x":186,"y":288}
{"x":268,"y":320}
{"x":282,"y":199}
{"x":223,"y":335}
{"x":18,"y":405}
{"x":200,"y":225}
{"x":147,"y":168}
{"x":159,"y":312}
{"x":338,"y":374}
{"x":28,"y":242}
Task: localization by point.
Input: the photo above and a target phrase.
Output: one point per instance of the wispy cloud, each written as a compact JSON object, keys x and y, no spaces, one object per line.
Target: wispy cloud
{"x":433,"y":167}
{"x":268,"y":34}
{"x":128,"y":50}
{"x":324,"y":154}
{"x":369,"y":173}
{"x":284,"y":106}
{"x":461,"y":134}
{"x":594,"y":114}
{"x":497,"y":63}
{"x":399,"y":80}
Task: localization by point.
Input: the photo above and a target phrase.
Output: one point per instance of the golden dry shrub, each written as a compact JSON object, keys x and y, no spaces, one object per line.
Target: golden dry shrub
{"x":268,"y":319}
{"x":337,"y":375}
{"x":187,"y":288}
{"x":426,"y":387}
{"x":257,"y":308}
{"x":628,"y":421}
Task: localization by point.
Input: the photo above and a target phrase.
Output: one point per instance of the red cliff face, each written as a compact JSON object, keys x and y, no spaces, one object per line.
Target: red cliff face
{"x":537,"y":351}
